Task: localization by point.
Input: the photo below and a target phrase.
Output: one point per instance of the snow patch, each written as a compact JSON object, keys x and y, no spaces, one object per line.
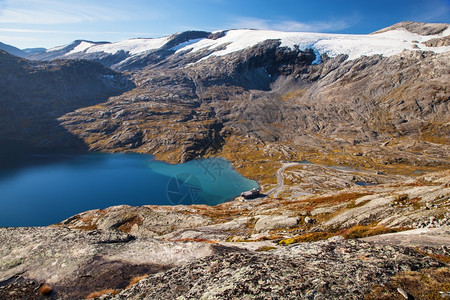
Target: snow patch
{"x":386,"y":44}
{"x":56,"y":48}
{"x":185,"y":44}
{"x":354,"y":46}
{"x":81,"y":47}
{"x":133,"y":46}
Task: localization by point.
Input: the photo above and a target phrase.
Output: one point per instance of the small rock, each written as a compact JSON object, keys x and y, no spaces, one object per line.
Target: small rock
{"x":309,"y":220}
{"x":336,"y":238}
{"x":402,"y":292}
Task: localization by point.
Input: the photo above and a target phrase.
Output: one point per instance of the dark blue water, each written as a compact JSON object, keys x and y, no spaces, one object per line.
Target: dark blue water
{"x":52,"y":188}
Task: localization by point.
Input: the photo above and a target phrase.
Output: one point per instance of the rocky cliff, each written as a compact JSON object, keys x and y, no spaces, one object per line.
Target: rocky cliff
{"x":34,"y":95}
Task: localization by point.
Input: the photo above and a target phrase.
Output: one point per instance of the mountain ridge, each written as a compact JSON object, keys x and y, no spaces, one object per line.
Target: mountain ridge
{"x":12,"y":50}
{"x":387,"y":42}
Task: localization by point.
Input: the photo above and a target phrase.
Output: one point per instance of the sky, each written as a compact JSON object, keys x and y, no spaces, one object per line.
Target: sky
{"x":50,"y":23}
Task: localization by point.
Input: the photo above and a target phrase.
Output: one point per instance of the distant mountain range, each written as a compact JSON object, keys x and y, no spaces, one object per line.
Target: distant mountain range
{"x":12,"y":50}
{"x":21,"y":53}
{"x":135,"y":53}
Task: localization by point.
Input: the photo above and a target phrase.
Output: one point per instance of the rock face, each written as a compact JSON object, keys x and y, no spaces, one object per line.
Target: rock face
{"x":320,"y":270}
{"x":190,"y":100}
{"x":35,"y":94}
{"x":76,"y":263}
{"x":185,"y":107}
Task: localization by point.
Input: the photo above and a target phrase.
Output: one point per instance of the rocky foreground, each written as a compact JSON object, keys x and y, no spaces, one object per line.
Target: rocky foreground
{"x":387,"y":241}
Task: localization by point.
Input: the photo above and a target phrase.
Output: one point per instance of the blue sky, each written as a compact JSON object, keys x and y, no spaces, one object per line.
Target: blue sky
{"x":49,"y":23}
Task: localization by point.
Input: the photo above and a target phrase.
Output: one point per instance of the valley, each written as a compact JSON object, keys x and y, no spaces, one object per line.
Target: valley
{"x":348,"y":137}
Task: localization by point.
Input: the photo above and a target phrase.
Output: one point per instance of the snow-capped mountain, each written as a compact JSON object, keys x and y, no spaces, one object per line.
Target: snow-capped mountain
{"x":193,"y":91}
{"x":387,"y":42}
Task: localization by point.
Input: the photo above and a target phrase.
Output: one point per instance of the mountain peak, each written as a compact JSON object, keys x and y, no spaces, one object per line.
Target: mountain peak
{"x":424,"y":29}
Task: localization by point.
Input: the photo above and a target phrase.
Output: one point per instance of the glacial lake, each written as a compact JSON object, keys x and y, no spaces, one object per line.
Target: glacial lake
{"x":47,"y":189}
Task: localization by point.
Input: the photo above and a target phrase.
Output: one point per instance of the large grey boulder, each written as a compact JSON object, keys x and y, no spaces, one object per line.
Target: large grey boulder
{"x":266,"y":223}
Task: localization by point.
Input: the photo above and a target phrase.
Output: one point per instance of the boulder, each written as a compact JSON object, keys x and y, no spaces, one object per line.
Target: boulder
{"x":266,"y":223}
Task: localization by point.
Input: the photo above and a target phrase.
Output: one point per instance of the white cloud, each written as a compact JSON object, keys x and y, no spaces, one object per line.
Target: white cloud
{"x":432,"y":10}
{"x":20,"y":30}
{"x":58,"y":12}
{"x":289,"y":25}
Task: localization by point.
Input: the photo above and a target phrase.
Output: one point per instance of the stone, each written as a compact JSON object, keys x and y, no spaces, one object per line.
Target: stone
{"x":309,"y":220}
{"x":286,"y":272}
{"x":266,"y":223}
{"x":403,"y":292}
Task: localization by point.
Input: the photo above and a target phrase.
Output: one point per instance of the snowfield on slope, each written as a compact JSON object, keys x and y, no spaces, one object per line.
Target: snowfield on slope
{"x":387,"y":43}
{"x":355,"y":46}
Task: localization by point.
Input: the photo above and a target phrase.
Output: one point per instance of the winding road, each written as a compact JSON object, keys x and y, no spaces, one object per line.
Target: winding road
{"x":276,"y":190}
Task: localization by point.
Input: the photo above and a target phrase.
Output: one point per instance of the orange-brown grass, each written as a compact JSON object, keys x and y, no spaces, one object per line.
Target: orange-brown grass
{"x":442,"y":258}
{"x":126,"y":227}
{"x":357,"y":231}
{"x":333,"y":199}
{"x":102,"y":292}
{"x":336,"y":199}
{"x":312,"y":203}
{"x":88,"y":221}
{"x":422,"y":284}
{"x":45,"y":289}
{"x":354,"y":205}
{"x":361,"y":231}
{"x":135,"y":280}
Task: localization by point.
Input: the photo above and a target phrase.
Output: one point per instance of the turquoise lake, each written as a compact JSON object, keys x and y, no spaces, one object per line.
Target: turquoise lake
{"x":50,"y":188}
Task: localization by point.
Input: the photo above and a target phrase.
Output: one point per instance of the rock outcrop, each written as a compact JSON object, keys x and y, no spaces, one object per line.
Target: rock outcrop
{"x":320,"y":270}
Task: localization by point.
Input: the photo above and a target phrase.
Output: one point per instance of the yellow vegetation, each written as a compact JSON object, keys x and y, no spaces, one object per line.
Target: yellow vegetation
{"x":265,"y":248}
{"x":308,"y":237}
{"x":361,"y":231}
{"x":292,"y":95}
